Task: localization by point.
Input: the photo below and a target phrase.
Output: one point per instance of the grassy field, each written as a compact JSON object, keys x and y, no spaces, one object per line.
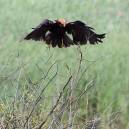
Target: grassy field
{"x":108,"y":63}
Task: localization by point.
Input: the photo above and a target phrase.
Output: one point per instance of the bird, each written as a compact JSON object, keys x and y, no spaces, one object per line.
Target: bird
{"x":60,"y":33}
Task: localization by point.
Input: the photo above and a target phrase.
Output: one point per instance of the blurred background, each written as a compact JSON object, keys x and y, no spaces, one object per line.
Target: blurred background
{"x":25,"y":62}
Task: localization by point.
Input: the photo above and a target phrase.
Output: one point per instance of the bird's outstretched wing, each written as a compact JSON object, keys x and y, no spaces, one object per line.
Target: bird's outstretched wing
{"x":82,"y":33}
{"x":39,"y":32}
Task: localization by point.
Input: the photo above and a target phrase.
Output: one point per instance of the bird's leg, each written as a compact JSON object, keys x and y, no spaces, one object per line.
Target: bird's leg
{"x":49,"y":46}
{"x":62,"y":45}
{"x":80,"y":52}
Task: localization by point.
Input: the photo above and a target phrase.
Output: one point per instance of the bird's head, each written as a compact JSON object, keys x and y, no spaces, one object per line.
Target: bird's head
{"x":61,"y":21}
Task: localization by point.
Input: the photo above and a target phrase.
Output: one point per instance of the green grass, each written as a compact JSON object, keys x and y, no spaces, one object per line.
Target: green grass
{"x":111,"y":69}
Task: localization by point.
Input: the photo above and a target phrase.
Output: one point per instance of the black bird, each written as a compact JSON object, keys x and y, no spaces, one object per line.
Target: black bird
{"x":57,"y":33}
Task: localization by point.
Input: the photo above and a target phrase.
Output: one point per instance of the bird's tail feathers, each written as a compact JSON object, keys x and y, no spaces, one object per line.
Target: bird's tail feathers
{"x":67,"y":41}
{"x":53,"y":40}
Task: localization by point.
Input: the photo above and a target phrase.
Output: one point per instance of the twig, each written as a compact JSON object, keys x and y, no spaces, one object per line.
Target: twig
{"x":45,"y":75}
{"x":54,"y":107}
{"x":39,"y":98}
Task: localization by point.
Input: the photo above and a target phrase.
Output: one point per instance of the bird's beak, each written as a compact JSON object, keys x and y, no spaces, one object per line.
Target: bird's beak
{"x":64,"y":24}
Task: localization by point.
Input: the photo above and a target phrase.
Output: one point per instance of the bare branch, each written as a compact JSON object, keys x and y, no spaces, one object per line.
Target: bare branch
{"x":54,"y":107}
{"x":39,"y":98}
